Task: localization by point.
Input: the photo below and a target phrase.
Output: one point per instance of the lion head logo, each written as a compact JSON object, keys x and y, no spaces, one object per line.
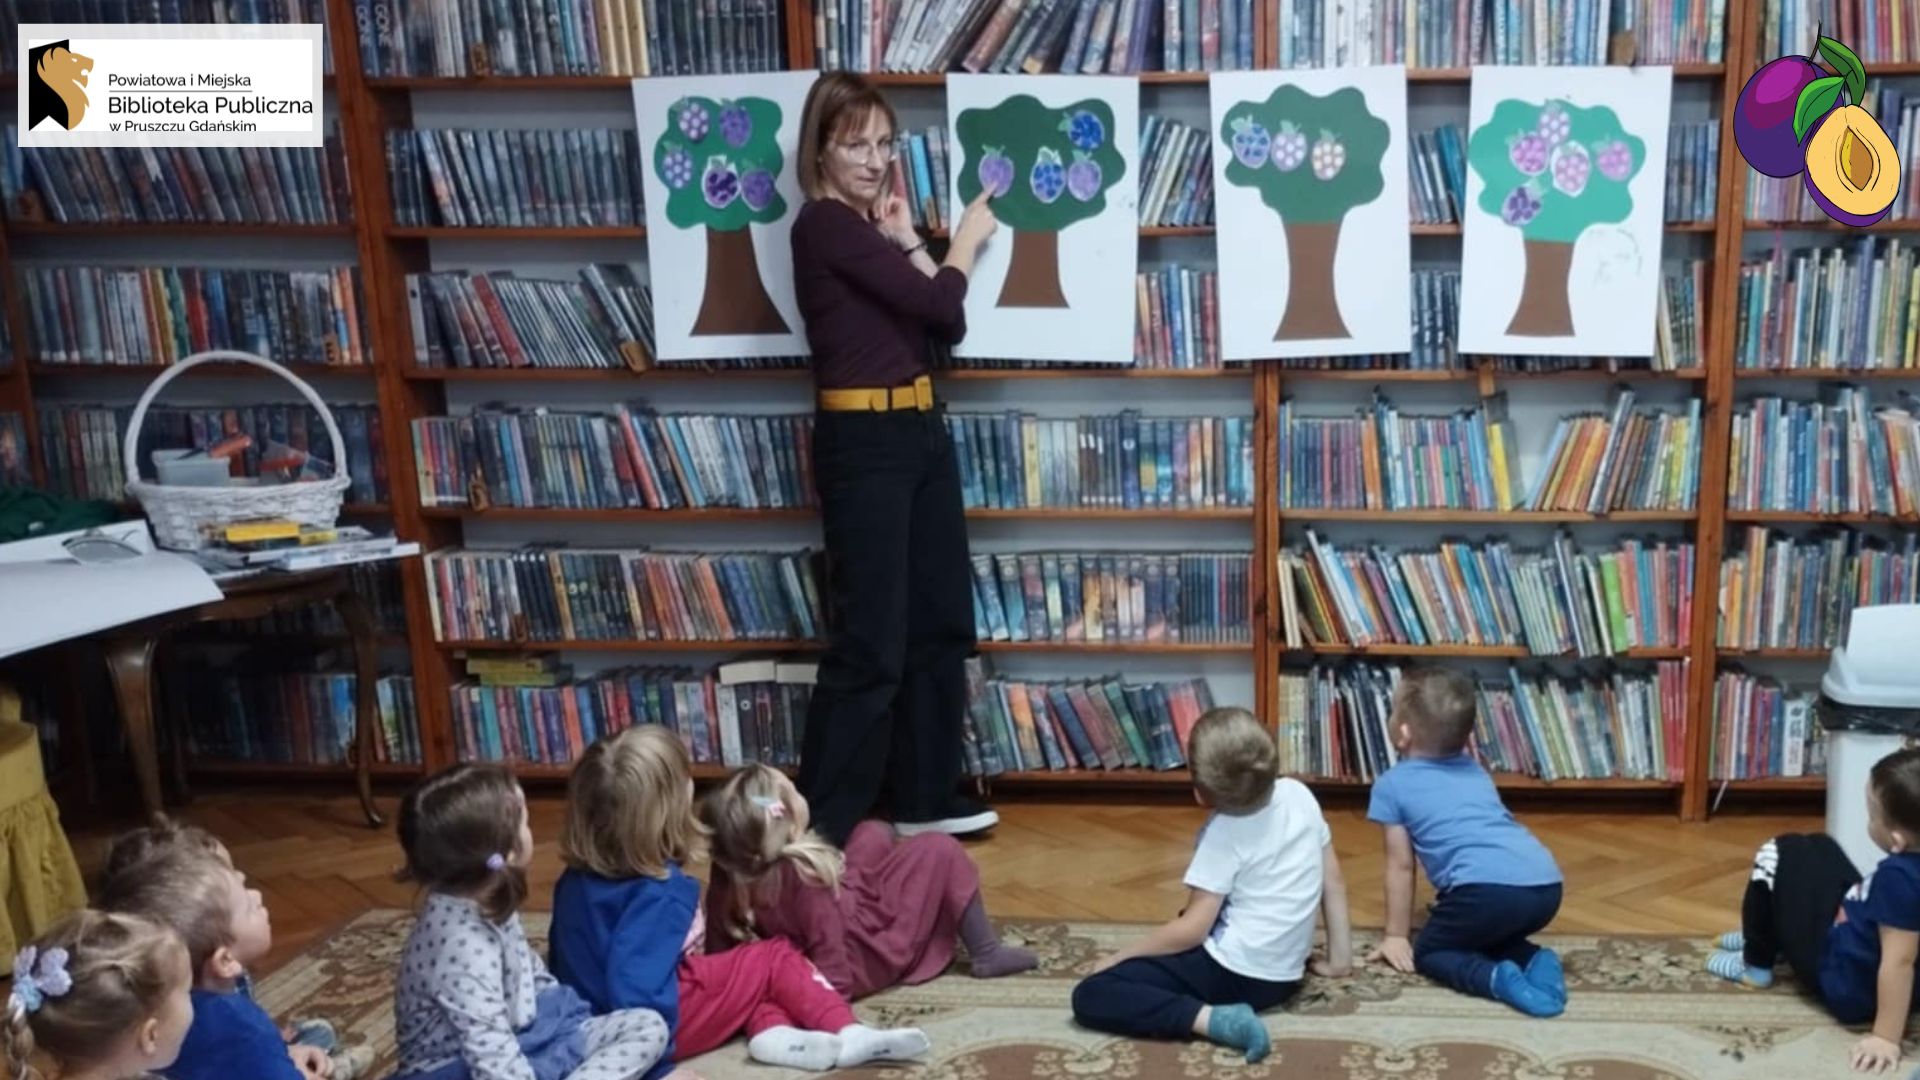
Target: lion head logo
{"x":59,"y":85}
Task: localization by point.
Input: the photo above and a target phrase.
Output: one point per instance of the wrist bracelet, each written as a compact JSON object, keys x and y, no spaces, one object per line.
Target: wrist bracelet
{"x":921,"y":246}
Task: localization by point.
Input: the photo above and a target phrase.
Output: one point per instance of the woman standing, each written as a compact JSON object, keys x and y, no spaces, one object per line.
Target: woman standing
{"x":888,"y":707}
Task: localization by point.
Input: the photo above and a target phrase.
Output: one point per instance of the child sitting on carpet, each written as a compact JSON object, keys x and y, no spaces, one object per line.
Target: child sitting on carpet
{"x":1496,"y":884}
{"x":1263,"y":865}
{"x":628,"y":928}
{"x":1849,"y":940}
{"x":879,"y":914}
{"x":472,"y":1001}
{"x":185,"y":883}
{"x":97,"y":997}
{"x":308,"y":1040}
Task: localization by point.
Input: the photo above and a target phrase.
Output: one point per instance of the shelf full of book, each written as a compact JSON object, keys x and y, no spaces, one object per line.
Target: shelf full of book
{"x":401,"y":238}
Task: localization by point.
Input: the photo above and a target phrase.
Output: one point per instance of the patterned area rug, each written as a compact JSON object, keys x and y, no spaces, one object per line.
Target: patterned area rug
{"x":1642,"y":1009}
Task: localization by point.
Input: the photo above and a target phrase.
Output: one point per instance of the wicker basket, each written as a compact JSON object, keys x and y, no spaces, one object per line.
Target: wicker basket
{"x":180,"y":515}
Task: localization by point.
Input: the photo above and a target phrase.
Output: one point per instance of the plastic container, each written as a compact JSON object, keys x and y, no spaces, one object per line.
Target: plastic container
{"x":1870,"y":706}
{"x":176,"y":469}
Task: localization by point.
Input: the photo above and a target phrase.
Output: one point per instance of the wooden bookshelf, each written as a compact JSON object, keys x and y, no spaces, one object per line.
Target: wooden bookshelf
{"x":1819,"y":655}
{"x":388,"y":251}
{"x":1472,"y":652}
{"x":222,"y":369}
{"x":517,"y":232}
{"x":176,"y":230}
{"x":1823,"y":374}
{"x":1486,"y":517}
{"x":1783,"y":785}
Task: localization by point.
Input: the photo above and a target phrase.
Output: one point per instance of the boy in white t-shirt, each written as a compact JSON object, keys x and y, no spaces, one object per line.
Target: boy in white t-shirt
{"x":1263,"y":867}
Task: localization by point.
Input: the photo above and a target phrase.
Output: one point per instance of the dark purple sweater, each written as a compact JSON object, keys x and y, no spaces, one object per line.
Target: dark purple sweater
{"x":868,"y":309}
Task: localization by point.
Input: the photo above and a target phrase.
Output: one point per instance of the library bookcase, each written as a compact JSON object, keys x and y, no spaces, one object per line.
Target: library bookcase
{"x":368,"y":107}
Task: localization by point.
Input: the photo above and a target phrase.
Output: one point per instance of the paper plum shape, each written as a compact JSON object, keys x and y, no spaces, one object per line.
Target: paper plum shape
{"x":1763,"y":117}
{"x":1852,"y":171}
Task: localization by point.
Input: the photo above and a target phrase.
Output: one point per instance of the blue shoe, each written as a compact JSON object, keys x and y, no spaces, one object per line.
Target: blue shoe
{"x":317,"y":1033}
{"x":1544,"y":971}
{"x":1731,"y":941}
{"x":1510,"y":986}
{"x":1733,"y":967}
{"x":1239,"y":1026}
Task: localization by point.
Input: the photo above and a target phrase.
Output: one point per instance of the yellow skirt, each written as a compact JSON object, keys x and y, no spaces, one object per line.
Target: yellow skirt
{"x":39,"y":880}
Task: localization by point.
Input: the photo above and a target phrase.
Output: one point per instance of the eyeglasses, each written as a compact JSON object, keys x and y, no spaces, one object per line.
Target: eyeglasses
{"x":94,"y":547}
{"x":864,"y":153}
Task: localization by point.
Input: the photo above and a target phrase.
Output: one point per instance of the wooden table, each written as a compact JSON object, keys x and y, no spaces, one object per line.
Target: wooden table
{"x":130,"y":649}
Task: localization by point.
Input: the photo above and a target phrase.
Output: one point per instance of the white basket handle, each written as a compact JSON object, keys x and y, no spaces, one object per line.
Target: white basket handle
{"x":212,"y":356}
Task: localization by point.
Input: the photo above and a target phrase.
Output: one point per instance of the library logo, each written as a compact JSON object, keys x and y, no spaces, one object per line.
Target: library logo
{"x":1790,"y":120}
{"x":151,"y":85}
{"x":57,"y":85}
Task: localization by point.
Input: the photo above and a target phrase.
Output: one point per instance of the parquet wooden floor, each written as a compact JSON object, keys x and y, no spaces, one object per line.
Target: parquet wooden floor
{"x":1628,"y":871}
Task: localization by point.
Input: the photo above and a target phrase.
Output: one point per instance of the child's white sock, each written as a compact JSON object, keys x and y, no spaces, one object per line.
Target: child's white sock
{"x":816,"y":1051}
{"x":860,"y":1044}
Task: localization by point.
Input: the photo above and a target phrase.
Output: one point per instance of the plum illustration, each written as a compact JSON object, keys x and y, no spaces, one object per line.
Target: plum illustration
{"x":1049,"y":177}
{"x":1852,"y":170}
{"x":1083,"y":177}
{"x":1084,"y":130}
{"x":1615,"y":160}
{"x":692,"y":120}
{"x":676,"y":167}
{"x":1572,"y":166}
{"x":1763,"y":117}
{"x":1251,"y":143}
{"x":1554,"y":124}
{"x":736,"y":126}
{"x":1529,"y":153}
{"x":1289,"y":147}
{"x":720,"y":184}
{"x":996,"y":171}
{"x":1522,"y":206}
{"x":756,"y":189}
{"x":1329,"y":156}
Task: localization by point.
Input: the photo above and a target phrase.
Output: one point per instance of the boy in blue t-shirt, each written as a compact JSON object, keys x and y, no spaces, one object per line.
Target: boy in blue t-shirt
{"x":1496,"y":884}
{"x":1850,"y":940}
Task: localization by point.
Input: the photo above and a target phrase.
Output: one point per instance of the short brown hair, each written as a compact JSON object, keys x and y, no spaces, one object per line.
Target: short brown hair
{"x":838,"y":101}
{"x":122,"y":968}
{"x":1896,"y":781}
{"x":629,"y":807}
{"x":182,"y":886}
{"x":165,"y":834}
{"x":1439,"y":706}
{"x":1235,"y":761}
{"x":452,"y":825}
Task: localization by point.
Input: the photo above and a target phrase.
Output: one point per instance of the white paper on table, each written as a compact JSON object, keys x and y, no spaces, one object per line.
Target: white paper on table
{"x":42,"y":602}
{"x":52,"y":547}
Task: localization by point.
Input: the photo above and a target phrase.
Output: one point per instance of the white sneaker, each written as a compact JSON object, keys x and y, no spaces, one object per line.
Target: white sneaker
{"x":952,"y":826}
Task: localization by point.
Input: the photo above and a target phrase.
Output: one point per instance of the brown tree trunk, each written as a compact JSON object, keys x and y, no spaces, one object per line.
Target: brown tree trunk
{"x":1313,"y":307}
{"x":1544,"y":310}
{"x":1033,"y":272}
{"x":735,"y":300}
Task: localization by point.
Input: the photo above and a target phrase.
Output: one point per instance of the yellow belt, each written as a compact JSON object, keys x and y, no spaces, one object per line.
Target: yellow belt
{"x":917,"y":395}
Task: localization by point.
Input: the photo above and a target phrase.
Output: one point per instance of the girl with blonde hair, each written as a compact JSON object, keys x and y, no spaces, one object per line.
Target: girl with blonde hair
{"x":628,"y":930}
{"x":879,"y":914}
{"x":97,"y":997}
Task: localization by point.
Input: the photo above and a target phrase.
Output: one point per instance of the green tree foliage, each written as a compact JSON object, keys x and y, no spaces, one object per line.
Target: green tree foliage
{"x":1049,"y":167}
{"x":721,"y":161}
{"x":1552,"y":170}
{"x":1311,"y":158}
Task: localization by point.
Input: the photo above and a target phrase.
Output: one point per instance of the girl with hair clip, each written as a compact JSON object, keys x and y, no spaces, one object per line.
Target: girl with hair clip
{"x":628,"y":929}
{"x":97,"y":997}
{"x":472,"y":1001}
{"x":879,"y":914}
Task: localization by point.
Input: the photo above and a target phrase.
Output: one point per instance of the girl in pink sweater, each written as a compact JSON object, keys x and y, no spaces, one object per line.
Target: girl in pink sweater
{"x":878,"y":914}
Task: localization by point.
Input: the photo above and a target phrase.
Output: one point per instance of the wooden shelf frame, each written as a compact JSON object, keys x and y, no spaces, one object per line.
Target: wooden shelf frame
{"x":387,"y":251}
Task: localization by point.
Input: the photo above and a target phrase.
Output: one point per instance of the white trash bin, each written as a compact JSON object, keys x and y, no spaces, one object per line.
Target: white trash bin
{"x":1870,"y":706}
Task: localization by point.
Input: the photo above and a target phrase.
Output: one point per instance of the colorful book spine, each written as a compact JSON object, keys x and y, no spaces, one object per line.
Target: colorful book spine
{"x":1142,"y":597}
{"x":1764,"y":729}
{"x":1022,"y":725}
{"x":1779,"y":592}
{"x":1627,"y":725}
{"x":604,"y":319}
{"x":1840,"y":455}
{"x":1384,"y":460}
{"x":1176,"y":181}
{"x":502,"y":178}
{"x":1035,"y":36}
{"x":1845,"y":306}
{"x":508,"y":38}
{"x":1014,"y":461}
{"x":1625,"y":459}
{"x":244,"y":714}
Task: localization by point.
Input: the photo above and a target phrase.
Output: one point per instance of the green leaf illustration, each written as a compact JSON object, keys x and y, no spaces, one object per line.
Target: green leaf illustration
{"x":1817,"y":99}
{"x":1847,"y":63}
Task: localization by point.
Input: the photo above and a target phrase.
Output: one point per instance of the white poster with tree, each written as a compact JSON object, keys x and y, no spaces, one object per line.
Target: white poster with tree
{"x":1566,"y":184}
{"x":1061,"y":154}
{"x":1310,"y":196}
{"x":721,"y":192}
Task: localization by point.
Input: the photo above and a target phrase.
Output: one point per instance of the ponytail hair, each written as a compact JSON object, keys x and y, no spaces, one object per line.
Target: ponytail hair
{"x":459,"y":828}
{"x":753,"y":831}
{"x":95,"y":977}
